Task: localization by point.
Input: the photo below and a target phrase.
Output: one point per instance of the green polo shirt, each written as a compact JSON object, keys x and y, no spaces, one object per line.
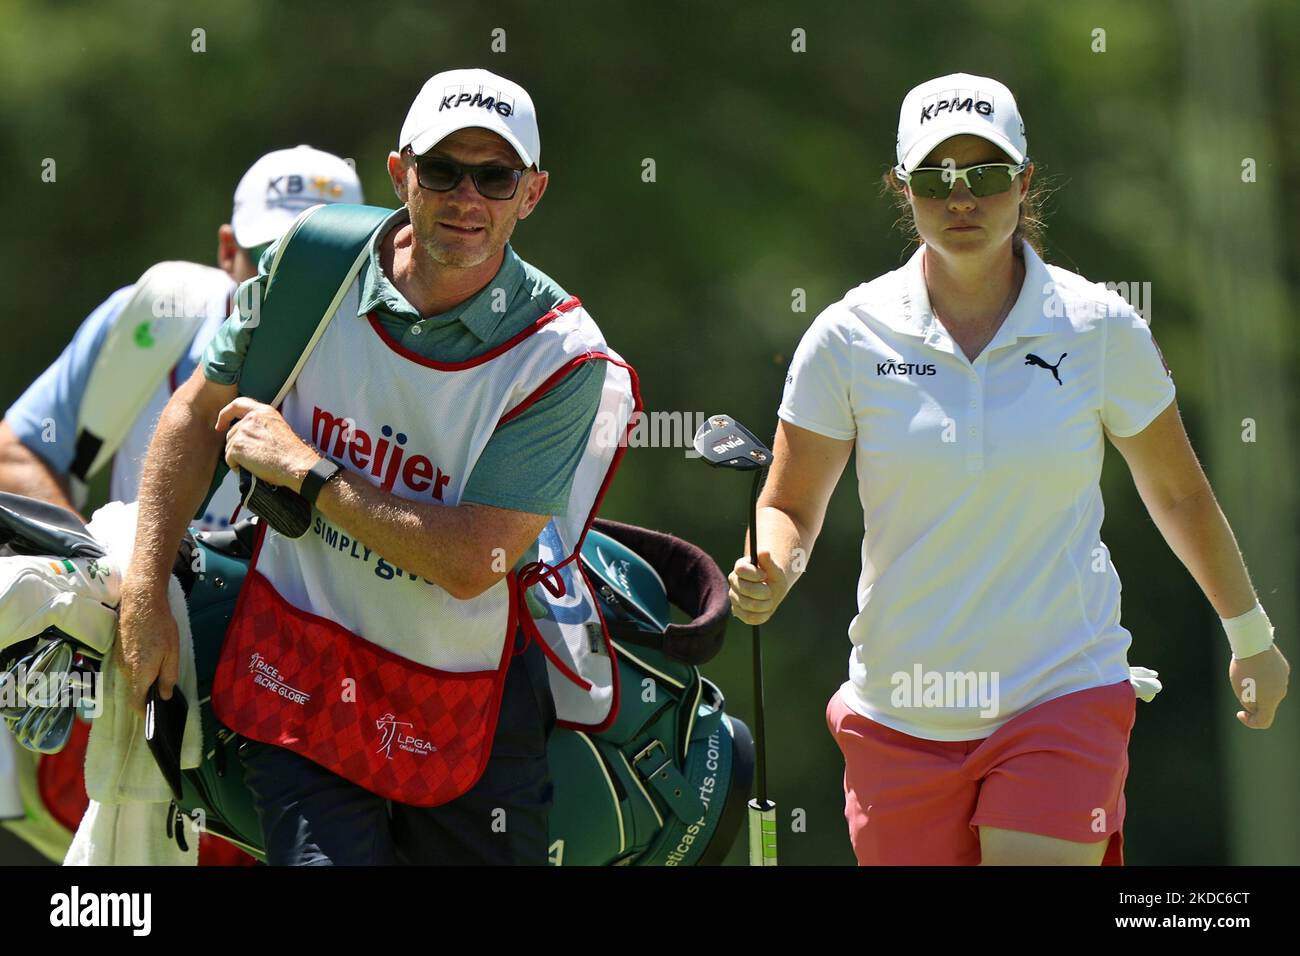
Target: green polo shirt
{"x":528,"y":464}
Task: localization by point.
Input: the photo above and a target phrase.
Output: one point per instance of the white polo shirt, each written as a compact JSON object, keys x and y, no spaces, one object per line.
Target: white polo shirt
{"x":985,"y":588}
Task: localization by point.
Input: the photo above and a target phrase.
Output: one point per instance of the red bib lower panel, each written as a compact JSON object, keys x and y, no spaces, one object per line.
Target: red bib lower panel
{"x":407,"y":732}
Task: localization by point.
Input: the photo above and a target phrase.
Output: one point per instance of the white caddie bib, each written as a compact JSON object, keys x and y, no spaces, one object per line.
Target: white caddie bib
{"x":427,"y":668}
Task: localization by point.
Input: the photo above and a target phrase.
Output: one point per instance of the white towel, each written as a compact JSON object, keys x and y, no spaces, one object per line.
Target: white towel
{"x":1145,"y":682}
{"x":126,"y":820}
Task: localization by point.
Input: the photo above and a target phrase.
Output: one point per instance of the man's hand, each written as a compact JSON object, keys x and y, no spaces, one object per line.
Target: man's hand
{"x":261,"y":442}
{"x":148,"y":643}
{"x":1260,"y":683}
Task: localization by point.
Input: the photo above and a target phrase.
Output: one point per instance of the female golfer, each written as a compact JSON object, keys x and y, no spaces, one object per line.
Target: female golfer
{"x":987,"y":712}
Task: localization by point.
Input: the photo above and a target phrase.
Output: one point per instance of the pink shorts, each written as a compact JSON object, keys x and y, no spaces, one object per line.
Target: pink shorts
{"x":1058,"y":769}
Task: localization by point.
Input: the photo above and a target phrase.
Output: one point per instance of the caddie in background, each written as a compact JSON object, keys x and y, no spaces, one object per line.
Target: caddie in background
{"x":384,"y":668}
{"x":96,"y":407}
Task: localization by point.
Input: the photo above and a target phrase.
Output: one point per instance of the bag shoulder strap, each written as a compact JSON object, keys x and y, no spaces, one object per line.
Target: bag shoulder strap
{"x":314,"y":266}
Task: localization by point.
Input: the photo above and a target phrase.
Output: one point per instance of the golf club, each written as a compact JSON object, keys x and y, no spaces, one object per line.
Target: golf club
{"x":44,"y":724}
{"x":725,"y":443}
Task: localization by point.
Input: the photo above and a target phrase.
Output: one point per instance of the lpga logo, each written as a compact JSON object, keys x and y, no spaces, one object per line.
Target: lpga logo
{"x":389,"y":734}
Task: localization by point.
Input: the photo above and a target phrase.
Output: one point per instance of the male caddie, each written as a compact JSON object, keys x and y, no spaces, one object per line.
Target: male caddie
{"x":45,"y":449}
{"x":379,"y":667}
{"x":96,"y":406}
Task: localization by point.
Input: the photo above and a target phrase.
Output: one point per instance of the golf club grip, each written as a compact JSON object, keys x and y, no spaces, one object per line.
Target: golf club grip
{"x":762,"y":833}
{"x":282,"y":508}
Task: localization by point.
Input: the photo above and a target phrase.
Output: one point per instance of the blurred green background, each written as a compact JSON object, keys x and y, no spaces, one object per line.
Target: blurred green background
{"x":767,"y":168}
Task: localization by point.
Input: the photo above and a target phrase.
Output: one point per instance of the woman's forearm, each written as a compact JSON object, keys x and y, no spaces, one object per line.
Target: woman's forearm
{"x":1198,"y":533}
{"x":781,"y":536}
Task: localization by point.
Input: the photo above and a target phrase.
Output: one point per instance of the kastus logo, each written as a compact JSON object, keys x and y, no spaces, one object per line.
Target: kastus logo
{"x":955,"y":101}
{"x":483,"y":98}
{"x":390,"y":735}
{"x":384,"y":457}
{"x":905,"y":368}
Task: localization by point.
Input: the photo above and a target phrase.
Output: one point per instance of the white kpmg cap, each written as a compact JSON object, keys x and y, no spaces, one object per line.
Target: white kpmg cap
{"x":456,"y":99}
{"x":956,"y":104}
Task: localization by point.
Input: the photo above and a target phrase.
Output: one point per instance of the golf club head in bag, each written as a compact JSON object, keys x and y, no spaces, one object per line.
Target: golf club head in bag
{"x":40,"y":716}
{"x":725,"y":443}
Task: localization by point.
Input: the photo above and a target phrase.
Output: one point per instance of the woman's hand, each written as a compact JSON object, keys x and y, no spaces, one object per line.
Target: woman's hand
{"x":1260,"y":684}
{"x":756,"y":591}
{"x":805,"y":467}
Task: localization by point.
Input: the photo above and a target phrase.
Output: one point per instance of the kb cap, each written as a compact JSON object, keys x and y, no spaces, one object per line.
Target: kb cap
{"x":282,"y":184}
{"x":457,"y":99}
{"x":956,"y":104}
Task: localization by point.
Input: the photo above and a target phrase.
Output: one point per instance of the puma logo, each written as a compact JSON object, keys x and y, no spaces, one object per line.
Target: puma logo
{"x":1032,"y":359}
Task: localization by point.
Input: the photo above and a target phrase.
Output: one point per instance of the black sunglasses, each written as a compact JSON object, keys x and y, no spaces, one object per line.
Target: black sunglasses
{"x":441,"y":175}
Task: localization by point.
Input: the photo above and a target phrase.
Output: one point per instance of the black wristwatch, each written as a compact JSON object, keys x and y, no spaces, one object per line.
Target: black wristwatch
{"x":315,"y":479}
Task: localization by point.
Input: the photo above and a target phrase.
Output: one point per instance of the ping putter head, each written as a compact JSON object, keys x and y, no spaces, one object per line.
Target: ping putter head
{"x":725,"y":443}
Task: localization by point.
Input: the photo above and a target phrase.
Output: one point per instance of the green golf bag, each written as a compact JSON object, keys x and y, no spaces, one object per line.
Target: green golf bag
{"x":666,"y":784}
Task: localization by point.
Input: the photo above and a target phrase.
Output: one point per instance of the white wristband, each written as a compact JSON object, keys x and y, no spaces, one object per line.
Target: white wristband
{"x":1250,"y":633}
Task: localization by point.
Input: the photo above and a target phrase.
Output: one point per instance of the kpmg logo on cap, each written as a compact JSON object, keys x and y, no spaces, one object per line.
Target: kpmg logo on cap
{"x":953,"y":102}
{"x":481,"y":97}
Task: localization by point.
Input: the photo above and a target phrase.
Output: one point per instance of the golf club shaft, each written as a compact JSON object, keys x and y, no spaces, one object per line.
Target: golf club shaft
{"x":760,"y":735}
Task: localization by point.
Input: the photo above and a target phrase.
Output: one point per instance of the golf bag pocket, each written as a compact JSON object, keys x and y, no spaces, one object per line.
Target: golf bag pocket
{"x":404,"y":731}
